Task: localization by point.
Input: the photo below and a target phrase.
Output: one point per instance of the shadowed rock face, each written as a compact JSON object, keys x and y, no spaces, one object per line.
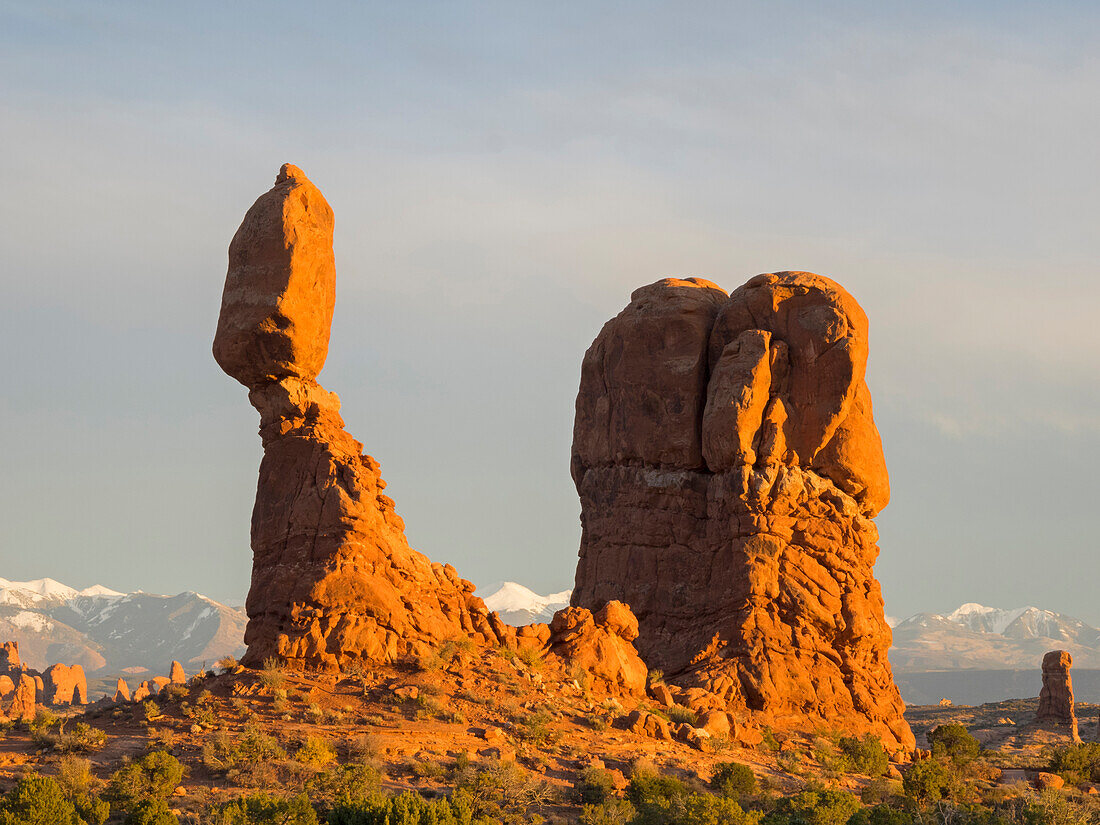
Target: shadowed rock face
{"x":333,"y":579}
{"x":728,"y":467}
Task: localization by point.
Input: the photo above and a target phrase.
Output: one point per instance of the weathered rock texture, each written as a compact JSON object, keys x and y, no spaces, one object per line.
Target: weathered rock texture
{"x":19,"y":703}
{"x":729,"y":468}
{"x":601,"y":646}
{"x":122,"y":691}
{"x":333,"y":579}
{"x":176,"y":674}
{"x":1056,"y":696}
{"x":9,"y":657}
{"x":64,"y":685}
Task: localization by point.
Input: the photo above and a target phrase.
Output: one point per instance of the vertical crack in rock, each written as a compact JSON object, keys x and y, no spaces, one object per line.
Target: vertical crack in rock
{"x":729,"y":469}
{"x":333,"y":579}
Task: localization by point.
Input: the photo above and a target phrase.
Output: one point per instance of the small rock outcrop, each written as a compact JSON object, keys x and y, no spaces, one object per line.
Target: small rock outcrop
{"x":20,"y":703}
{"x":1056,"y":696}
{"x":122,"y":691}
{"x":729,"y":469}
{"x":9,"y":657}
{"x":334,"y":581}
{"x":600,"y":646}
{"x":64,"y":685}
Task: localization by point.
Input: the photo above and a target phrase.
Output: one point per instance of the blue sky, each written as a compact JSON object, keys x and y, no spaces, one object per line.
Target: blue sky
{"x":503,"y":175}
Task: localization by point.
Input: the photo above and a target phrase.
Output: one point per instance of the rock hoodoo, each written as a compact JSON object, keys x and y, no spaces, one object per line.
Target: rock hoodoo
{"x":334,"y":580}
{"x":729,"y":469}
{"x":1056,"y":697}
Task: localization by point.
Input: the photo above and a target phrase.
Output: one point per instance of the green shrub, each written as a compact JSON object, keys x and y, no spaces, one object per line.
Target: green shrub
{"x":229,"y":754}
{"x":930,"y":780}
{"x":152,"y":777}
{"x":866,"y":755}
{"x":823,"y":807}
{"x":151,"y":812}
{"x":82,"y":739}
{"x":666,"y":800}
{"x":38,"y":800}
{"x":593,"y":786}
{"x":273,"y":674}
{"x":261,"y":809}
{"x":1077,"y":764}
{"x":343,"y":785}
{"x":733,"y":780}
{"x":954,"y":742}
{"x":680,"y":714}
{"x":408,"y":808}
{"x":880,"y":815}
{"x":316,"y":751}
{"x":497,"y":788}
{"x":608,"y":812}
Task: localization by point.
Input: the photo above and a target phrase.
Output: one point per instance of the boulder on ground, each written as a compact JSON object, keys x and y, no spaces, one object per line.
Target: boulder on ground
{"x":600,"y":646}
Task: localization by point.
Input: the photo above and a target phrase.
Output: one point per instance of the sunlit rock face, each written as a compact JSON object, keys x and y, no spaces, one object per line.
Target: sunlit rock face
{"x":729,"y":468}
{"x":334,"y":581}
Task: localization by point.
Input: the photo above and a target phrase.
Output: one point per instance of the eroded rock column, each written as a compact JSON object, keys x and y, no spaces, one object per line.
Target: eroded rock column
{"x":333,"y":580}
{"x":729,"y":470}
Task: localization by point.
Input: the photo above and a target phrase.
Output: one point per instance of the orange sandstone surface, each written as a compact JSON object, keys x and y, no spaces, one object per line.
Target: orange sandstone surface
{"x":729,"y":469}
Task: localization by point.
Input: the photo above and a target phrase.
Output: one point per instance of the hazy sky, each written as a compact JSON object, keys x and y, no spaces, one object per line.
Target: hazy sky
{"x":503,"y":175}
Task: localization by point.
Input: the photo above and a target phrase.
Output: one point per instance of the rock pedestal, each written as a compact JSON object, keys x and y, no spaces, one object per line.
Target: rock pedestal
{"x":334,"y":580}
{"x":1056,"y":696}
{"x":729,"y":469}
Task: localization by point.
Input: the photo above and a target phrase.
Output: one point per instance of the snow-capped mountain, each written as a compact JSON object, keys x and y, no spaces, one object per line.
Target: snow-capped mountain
{"x":111,"y":632}
{"x":978,"y":637}
{"x":518,"y":605}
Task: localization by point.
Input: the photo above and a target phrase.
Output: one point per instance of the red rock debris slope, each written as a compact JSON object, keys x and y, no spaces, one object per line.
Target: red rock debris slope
{"x":729,"y":469}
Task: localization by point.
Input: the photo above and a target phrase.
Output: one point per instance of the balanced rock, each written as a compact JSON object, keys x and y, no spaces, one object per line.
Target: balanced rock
{"x":122,"y":691}
{"x":334,"y":581}
{"x":65,"y":685}
{"x":601,"y":646}
{"x":1056,"y":696}
{"x":729,"y":468}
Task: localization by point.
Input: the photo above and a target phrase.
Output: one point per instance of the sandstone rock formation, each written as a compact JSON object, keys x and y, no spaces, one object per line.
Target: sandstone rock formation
{"x":601,"y":646}
{"x":333,"y":580}
{"x":64,"y":685}
{"x":20,"y":702}
{"x":122,"y":691}
{"x":1056,"y":696}
{"x":176,"y":674}
{"x":729,"y":469}
{"x":9,"y":657}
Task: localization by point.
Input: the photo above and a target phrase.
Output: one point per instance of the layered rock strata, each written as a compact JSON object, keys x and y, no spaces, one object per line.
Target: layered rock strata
{"x":729,"y":470}
{"x":334,"y":580}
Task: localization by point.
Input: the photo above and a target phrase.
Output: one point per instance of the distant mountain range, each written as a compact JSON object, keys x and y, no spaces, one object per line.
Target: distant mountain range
{"x":973,"y":654}
{"x":108,"y":632}
{"x":518,"y":605}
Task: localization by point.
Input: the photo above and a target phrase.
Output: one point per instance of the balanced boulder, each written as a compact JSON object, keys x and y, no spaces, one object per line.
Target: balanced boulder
{"x":1056,"y":696}
{"x":334,"y":581}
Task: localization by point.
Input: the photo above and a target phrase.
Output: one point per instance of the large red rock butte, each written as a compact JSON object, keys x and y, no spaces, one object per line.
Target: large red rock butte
{"x":334,"y":581}
{"x":729,"y":469}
